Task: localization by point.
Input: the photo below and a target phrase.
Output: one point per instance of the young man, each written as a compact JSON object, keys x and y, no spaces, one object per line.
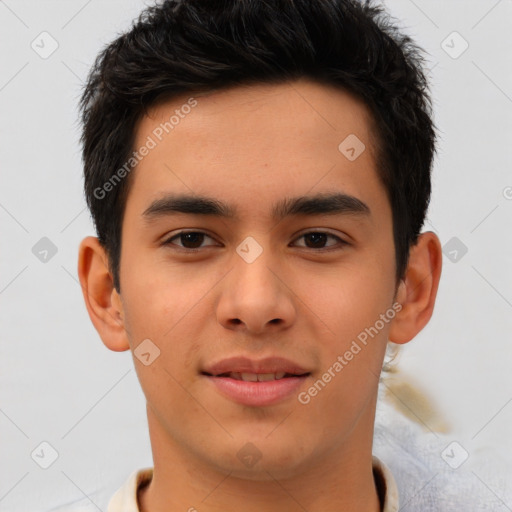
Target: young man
{"x":258,"y":174}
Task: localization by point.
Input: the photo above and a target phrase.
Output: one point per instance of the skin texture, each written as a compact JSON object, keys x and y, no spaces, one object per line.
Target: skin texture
{"x":251,"y":147}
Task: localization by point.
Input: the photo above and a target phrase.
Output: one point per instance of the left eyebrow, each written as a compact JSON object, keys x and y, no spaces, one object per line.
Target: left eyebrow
{"x":320,"y":204}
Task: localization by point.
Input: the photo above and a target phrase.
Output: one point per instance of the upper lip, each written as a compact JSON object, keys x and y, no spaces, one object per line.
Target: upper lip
{"x":247,"y":365}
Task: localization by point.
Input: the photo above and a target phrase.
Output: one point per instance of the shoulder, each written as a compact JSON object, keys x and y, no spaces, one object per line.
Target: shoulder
{"x":434,"y":472}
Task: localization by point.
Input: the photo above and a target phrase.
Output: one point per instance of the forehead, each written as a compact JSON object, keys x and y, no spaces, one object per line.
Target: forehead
{"x":256,"y":142}
{"x":302,"y":107}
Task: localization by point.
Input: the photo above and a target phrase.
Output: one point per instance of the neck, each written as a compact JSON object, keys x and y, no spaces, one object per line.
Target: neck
{"x":339,"y":480}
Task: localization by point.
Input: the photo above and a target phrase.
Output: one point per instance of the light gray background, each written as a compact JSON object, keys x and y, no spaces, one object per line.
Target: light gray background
{"x":61,"y":385}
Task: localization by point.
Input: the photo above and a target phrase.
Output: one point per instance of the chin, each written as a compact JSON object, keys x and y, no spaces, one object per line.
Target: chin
{"x":262,"y":461}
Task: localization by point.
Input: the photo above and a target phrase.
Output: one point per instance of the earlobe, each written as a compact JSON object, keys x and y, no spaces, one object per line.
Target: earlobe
{"x":417,"y":293}
{"x":101,"y":299}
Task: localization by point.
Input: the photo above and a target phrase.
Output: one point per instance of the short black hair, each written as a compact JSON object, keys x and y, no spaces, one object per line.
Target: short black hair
{"x":181,"y":47}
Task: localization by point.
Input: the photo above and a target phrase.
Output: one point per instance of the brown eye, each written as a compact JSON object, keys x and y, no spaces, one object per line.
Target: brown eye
{"x":318,"y":240}
{"x":189,"y":239}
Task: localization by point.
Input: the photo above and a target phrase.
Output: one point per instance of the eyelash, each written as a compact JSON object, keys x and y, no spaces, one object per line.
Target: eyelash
{"x":340,"y":244}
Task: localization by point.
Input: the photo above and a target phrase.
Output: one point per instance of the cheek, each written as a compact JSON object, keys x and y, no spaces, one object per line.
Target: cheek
{"x":351,"y":357}
{"x":347,"y":310}
{"x":344,"y":301}
{"x":167,"y":308}
{"x":159,"y":296}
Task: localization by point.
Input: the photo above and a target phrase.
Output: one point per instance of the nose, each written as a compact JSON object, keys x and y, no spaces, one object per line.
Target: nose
{"x":256,"y":297}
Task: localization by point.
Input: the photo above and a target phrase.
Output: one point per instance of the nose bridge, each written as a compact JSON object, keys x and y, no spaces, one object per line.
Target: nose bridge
{"x":252,"y":279}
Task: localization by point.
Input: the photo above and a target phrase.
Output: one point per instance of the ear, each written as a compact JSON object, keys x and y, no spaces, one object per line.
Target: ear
{"x":417,"y":291}
{"x":101,"y":299}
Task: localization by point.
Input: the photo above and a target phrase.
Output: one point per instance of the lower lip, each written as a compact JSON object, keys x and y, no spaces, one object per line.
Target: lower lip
{"x":257,"y":393}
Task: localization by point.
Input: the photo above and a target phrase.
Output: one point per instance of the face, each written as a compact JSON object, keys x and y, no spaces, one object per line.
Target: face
{"x":258,"y":274}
